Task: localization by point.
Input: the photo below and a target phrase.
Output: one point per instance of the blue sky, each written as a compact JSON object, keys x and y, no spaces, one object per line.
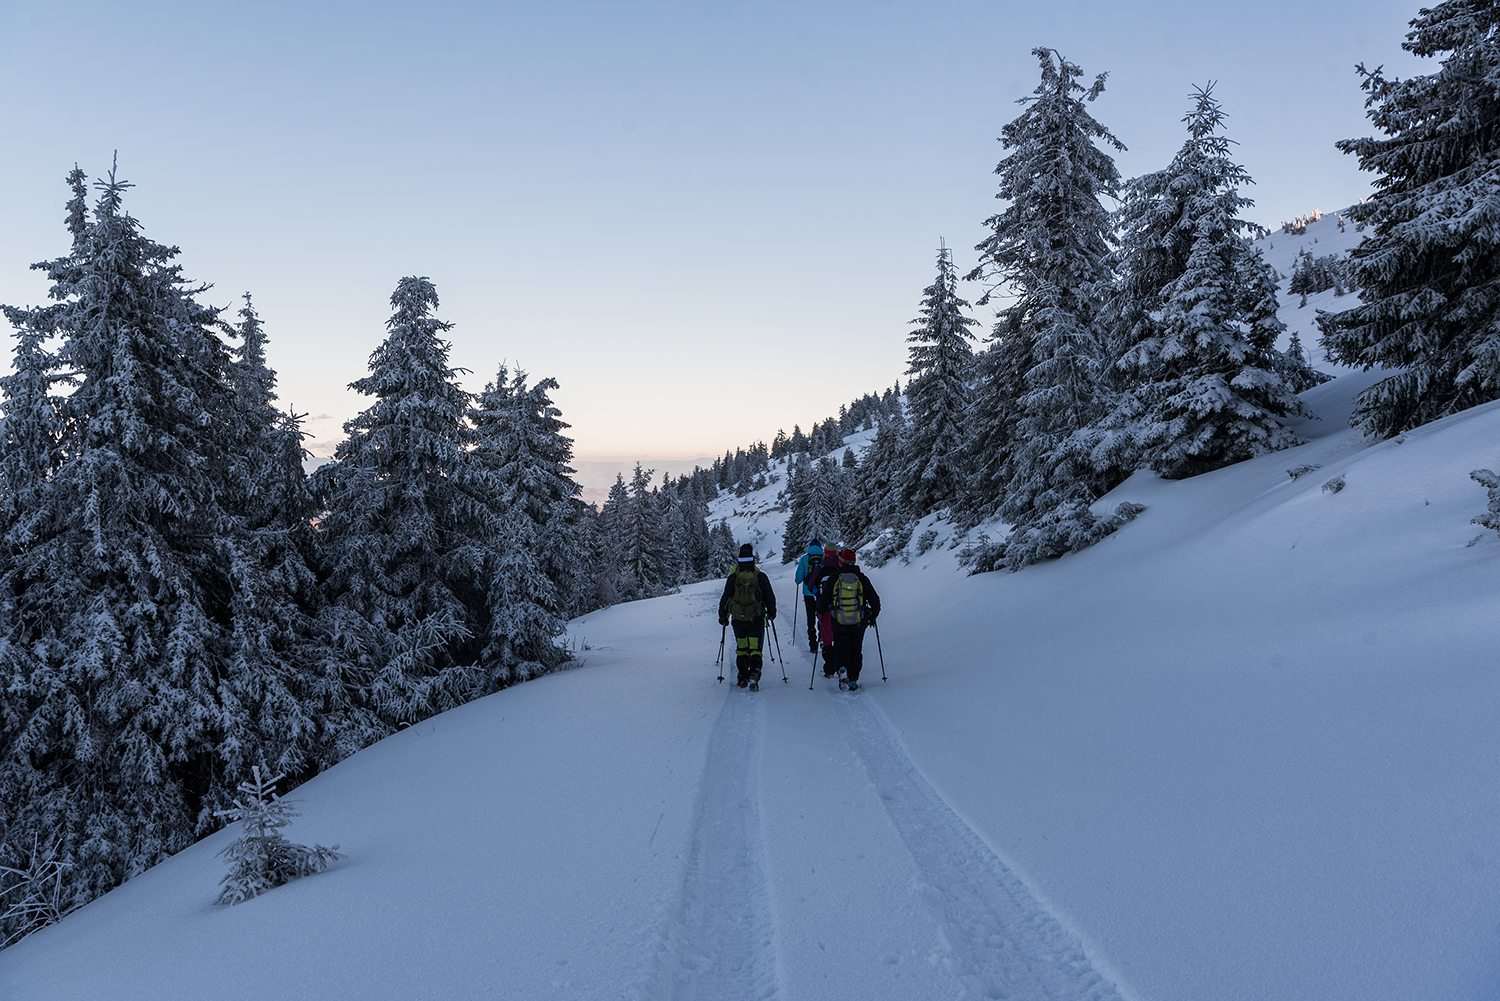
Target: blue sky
{"x":706,"y":220}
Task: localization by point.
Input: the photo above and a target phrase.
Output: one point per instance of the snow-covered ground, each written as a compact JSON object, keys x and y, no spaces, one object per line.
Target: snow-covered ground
{"x":1245,"y":748}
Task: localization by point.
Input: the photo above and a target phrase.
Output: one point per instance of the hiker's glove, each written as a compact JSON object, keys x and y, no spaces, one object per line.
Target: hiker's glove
{"x":723,"y":620}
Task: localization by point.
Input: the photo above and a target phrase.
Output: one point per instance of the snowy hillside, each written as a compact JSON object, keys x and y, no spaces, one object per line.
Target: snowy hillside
{"x":758,"y":517}
{"x":1334,"y":233}
{"x":1242,"y":749}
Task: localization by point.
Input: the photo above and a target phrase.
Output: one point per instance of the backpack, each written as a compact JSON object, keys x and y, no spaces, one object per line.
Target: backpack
{"x":744,"y":602}
{"x":848,"y":599}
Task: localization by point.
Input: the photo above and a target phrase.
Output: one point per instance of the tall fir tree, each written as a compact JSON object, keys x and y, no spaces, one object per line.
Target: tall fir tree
{"x":1429,"y":275}
{"x":1206,"y":375}
{"x":940,"y":362}
{"x":410,"y":525}
{"x":279,"y":638}
{"x":1039,"y":380}
{"x":796,"y":499}
{"x":129,"y":718}
{"x":520,"y":439}
{"x":873,"y":503}
{"x":646,"y":563}
{"x":613,"y":582}
{"x":825,"y":501}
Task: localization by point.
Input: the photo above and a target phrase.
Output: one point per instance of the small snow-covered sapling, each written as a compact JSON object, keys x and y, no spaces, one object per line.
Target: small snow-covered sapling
{"x":34,"y":892}
{"x":263,"y":859}
{"x":1490,"y":518}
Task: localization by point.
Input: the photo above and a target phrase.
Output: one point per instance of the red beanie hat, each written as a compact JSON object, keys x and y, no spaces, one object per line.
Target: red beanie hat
{"x":847,"y":556}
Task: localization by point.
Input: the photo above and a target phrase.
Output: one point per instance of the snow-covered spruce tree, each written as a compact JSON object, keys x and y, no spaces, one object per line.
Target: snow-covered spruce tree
{"x":825,"y":501}
{"x":1490,"y":518}
{"x":410,"y":528}
{"x":1206,"y":372}
{"x":30,"y":426}
{"x":263,"y":859}
{"x":125,"y":703}
{"x":725,"y":550}
{"x":644,"y":540}
{"x":613,"y":577}
{"x":1040,"y":379}
{"x":293,"y":680}
{"x":520,"y":440}
{"x":672,"y":534}
{"x":873,"y":512}
{"x":697,"y":545}
{"x":938,"y":394}
{"x":1297,"y":370}
{"x":1429,"y":275}
{"x":1154,"y":222}
{"x":796,"y":498}
{"x":600,"y":571}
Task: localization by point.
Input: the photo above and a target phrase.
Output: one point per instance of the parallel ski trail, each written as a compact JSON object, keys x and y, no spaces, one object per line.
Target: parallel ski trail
{"x":720,"y":943}
{"x":1003,"y":942}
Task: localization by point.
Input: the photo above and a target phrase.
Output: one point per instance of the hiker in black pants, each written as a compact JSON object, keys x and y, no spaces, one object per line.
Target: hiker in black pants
{"x":848,"y":595}
{"x":748,"y":601}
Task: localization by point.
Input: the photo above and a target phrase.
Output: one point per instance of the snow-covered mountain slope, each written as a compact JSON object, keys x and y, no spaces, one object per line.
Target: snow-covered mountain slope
{"x":759,"y":518}
{"x":1243,"y":749}
{"x":1334,"y":233}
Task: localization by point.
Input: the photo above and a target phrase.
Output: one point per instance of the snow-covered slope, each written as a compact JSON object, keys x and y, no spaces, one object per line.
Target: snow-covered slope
{"x":758,"y":517}
{"x":1245,"y":748}
{"x":1334,"y":233}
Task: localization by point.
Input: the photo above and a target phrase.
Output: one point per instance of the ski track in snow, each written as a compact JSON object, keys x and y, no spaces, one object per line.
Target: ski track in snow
{"x":1003,"y":942}
{"x":721,"y":943}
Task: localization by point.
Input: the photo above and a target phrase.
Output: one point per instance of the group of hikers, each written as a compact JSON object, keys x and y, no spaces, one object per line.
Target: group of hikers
{"x":840,"y":600}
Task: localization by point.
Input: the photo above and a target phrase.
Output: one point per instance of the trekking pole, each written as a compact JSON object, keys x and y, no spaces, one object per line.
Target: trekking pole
{"x":815,"y":670}
{"x":796,"y":595}
{"x":876,"y":624}
{"x":720,"y":662}
{"x":778,"y":648}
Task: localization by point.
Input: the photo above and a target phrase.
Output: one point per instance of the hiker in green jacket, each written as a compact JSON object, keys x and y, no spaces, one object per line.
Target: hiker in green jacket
{"x":747,"y":603}
{"x":847,"y":595}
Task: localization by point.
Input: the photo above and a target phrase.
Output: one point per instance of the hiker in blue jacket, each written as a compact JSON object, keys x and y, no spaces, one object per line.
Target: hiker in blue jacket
{"x":807,"y":568}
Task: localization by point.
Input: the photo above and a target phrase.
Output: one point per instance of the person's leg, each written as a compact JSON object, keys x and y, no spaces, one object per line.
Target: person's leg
{"x":851,"y":644}
{"x":742,"y":653}
{"x":830,"y":656}
{"x":757,"y":638}
{"x":811,"y":604}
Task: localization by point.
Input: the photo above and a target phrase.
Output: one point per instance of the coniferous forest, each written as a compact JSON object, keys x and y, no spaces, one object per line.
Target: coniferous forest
{"x":181,"y":603}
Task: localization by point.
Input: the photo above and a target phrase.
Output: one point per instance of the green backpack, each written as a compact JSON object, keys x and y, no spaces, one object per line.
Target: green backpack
{"x":848,"y":599}
{"x":744,"y":603}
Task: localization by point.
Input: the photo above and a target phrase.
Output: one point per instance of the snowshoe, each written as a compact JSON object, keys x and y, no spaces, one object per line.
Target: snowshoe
{"x":755,"y":686}
{"x":853,"y":685}
{"x":742,"y":683}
